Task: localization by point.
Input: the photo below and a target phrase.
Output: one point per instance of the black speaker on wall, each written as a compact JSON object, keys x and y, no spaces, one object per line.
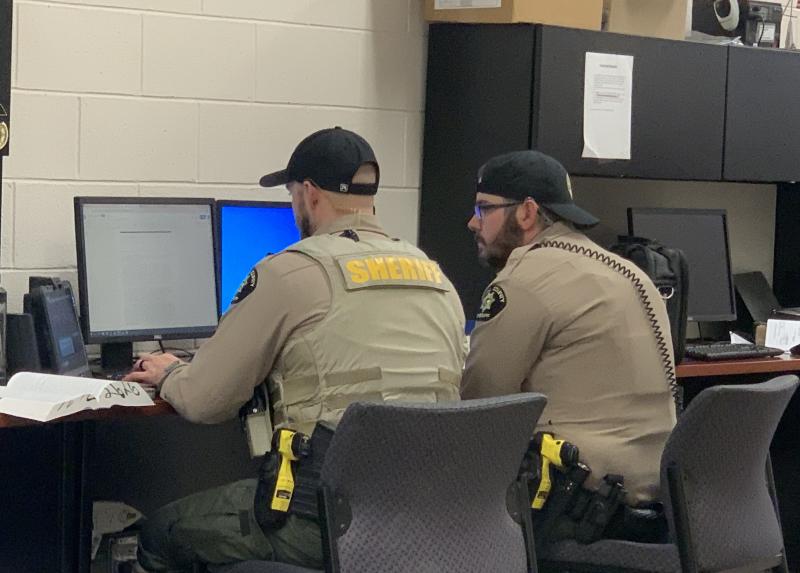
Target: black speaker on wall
{"x":5,"y":74}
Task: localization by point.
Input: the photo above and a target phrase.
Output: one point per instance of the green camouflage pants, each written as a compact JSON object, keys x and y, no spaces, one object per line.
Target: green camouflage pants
{"x":217,"y":527}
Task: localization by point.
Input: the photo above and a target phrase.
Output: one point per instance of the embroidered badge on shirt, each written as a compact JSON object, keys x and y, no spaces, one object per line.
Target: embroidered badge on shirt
{"x":248,"y":285}
{"x":493,"y":301}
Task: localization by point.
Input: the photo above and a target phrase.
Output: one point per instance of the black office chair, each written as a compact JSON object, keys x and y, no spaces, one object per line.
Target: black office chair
{"x":720,"y":500}
{"x":427,"y":488}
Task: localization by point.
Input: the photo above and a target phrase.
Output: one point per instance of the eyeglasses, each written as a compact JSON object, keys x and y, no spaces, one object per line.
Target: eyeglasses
{"x":482,"y":208}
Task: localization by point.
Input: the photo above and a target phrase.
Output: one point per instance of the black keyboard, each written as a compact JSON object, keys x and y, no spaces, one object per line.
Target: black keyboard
{"x":730,"y":351}
{"x":116,"y":376}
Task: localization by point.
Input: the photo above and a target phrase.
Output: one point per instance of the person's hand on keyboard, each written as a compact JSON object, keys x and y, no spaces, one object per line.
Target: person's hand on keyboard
{"x":151,"y":368}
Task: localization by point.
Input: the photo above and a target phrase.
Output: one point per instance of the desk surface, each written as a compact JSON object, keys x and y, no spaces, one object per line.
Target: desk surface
{"x":687,"y":369}
{"x":695,"y":368}
{"x":114,"y":413}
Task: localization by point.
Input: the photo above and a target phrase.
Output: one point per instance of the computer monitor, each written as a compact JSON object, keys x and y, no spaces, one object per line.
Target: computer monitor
{"x":146,"y":270}
{"x":702,"y":234}
{"x":249,"y":231}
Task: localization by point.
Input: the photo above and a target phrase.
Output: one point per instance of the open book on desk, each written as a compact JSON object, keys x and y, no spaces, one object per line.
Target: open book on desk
{"x":45,"y":397}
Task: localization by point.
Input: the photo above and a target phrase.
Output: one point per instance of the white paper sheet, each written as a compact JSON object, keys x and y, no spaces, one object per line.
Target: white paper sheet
{"x":783,"y":334}
{"x":607,"y":90}
{"x":450,"y":4}
{"x":765,"y":33}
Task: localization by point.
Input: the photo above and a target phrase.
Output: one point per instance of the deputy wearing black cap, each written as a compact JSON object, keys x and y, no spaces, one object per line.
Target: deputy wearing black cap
{"x":558,"y":319}
{"x":346,"y":314}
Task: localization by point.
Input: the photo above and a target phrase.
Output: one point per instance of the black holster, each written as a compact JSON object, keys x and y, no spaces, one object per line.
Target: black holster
{"x":306,"y":471}
{"x":599,"y":508}
{"x":587,"y":515}
{"x":567,"y":493}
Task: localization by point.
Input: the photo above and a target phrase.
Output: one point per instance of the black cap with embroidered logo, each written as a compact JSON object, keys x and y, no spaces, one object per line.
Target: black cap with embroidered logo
{"x":533,"y":174}
{"x":329,"y":158}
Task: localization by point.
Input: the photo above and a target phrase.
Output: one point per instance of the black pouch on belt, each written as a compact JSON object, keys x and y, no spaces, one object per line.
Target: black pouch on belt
{"x":305,"y":473}
{"x":309,"y":470}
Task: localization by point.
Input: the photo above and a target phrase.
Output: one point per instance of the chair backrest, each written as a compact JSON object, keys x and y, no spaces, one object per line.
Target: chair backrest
{"x":714,"y":465}
{"x":426,"y":487}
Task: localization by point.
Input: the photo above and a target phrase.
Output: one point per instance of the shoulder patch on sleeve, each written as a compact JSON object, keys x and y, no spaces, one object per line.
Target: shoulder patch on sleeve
{"x":492,"y":303}
{"x":248,"y":286}
{"x":350,"y":234}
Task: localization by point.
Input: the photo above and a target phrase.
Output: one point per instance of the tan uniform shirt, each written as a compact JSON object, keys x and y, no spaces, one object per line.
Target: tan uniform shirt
{"x":570,"y":327}
{"x":291,"y":295}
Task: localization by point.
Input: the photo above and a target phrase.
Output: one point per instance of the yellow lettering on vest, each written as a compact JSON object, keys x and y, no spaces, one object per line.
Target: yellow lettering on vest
{"x":437,"y":273}
{"x":408,"y":269}
{"x":394,"y":268}
{"x":419,"y":264}
{"x":377,"y":268}
{"x":358,"y":274}
{"x":428,"y":270}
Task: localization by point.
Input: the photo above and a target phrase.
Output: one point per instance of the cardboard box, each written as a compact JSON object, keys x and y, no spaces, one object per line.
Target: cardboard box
{"x":670,"y":19}
{"x":570,"y":13}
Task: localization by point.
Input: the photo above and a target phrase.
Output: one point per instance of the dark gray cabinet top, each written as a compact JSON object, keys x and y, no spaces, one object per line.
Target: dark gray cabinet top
{"x":763,"y":116}
{"x":678,"y":104}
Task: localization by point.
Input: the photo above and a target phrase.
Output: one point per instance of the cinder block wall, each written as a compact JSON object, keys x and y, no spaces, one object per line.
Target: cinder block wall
{"x":193,"y":98}
{"x":197,"y":98}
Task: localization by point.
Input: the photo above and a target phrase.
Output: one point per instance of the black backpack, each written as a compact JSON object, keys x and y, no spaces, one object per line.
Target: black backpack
{"x":669,"y":271}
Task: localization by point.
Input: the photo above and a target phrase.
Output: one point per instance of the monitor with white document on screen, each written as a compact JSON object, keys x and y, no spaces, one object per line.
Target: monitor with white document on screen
{"x":146,"y":271}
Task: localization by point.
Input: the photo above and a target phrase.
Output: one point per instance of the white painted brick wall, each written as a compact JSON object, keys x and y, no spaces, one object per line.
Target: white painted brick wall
{"x":72,"y":49}
{"x":138,"y":139}
{"x":197,"y":98}
{"x":198,"y":58}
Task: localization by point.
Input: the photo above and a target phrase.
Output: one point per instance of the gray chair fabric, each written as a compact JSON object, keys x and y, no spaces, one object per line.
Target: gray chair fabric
{"x":607,"y":555}
{"x":267,"y":567}
{"x":427,"y":485}
{"x":718,"y":451}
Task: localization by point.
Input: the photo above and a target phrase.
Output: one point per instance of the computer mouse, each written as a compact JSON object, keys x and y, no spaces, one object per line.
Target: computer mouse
{"x":795,"y":350}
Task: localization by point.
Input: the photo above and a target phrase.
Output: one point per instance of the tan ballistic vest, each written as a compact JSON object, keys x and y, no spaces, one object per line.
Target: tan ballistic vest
{"x":392,"y":334}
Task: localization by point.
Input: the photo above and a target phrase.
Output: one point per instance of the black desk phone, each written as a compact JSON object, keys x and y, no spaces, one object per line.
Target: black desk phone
{"x":59,"y":342}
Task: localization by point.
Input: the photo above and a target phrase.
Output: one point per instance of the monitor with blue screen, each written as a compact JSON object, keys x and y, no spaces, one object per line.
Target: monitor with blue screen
{"x":248,"y":232}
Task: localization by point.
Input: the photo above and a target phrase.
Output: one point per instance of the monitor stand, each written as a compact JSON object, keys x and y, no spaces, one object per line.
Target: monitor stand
{"x":116,"y":356}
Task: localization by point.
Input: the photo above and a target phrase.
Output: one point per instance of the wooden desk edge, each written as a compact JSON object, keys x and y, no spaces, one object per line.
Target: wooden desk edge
{"x":696,"y":368}
{"x":161,"y":408}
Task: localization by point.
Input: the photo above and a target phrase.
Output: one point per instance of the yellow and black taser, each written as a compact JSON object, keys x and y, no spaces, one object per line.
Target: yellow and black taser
{"x":552,"y":452}
{"x":291,"y":446}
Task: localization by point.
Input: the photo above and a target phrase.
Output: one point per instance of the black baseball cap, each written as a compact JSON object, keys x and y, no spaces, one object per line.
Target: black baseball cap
{"x":521,"y":174}
{"x":330,"y":159}
{"x":533,"y":174}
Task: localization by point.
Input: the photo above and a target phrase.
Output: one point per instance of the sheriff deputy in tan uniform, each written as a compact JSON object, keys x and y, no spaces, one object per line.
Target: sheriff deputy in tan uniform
{"x":557,"y":320}
{"x":345,"y":314}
